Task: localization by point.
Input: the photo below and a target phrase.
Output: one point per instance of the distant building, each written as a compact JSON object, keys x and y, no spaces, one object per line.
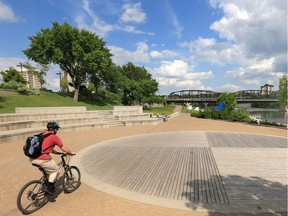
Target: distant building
{"x":31,"y":79}
{"x":266,"y":89}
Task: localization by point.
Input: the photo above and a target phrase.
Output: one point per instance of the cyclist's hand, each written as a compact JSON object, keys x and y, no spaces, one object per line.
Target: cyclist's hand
{"x":72,"y":153}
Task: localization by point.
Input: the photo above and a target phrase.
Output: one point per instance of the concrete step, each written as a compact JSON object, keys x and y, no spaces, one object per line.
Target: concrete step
{"x":26,"y":122}
{"x":33,"y":116}
{"x":18,"y":134}
{"x":42,"y":122}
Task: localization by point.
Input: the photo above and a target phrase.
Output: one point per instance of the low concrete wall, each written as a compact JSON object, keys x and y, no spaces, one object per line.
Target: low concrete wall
{"x":151,"y":121}
{"x":42,"y":110}
{"x":127,"y":110}
{"x":134,"y":117}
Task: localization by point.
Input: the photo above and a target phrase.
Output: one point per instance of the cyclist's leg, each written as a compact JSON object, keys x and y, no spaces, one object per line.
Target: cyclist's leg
{"x":51,"y":168}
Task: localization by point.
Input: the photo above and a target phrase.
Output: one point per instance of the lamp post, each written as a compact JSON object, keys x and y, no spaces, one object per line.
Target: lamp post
{"x":59,"y":73}
{"x":20,"y":65}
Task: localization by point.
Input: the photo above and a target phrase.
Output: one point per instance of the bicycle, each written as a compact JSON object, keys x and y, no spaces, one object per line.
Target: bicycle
{"x":34,"y":195}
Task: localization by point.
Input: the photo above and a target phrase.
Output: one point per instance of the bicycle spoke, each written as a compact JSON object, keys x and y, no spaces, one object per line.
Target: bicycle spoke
{"x":31,"y":197}
{"x":71,"y":179}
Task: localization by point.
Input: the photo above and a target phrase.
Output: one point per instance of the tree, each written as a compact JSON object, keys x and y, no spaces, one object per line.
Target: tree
{"x":229,"y":101}
{"x":12,"y":75}
{"x":137,"y":84}
{"x":81,"y":54}
{"x":282,"y":93}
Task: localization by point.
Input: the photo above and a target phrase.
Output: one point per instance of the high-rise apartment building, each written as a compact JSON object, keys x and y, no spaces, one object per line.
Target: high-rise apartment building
{"x":32,"y":80}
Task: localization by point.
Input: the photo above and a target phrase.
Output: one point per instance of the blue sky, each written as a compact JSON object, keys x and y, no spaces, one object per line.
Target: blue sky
{"x":219,"y":45}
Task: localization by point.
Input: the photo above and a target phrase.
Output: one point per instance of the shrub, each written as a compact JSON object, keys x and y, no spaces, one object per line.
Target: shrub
{"x":195,"y":113}
{"x":239,"y":115}
{"x":22,"y":88}
{"x":235,"y":115}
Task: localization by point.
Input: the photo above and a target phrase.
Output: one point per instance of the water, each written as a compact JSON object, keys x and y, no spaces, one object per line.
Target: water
{"x":270,"y":115}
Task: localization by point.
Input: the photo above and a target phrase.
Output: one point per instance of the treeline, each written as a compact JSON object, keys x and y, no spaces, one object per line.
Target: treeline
{"x":87,"y":66}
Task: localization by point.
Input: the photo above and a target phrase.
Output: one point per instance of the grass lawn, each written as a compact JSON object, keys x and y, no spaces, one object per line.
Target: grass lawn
{"x":166,"y":110}
{"x":8,"y":103}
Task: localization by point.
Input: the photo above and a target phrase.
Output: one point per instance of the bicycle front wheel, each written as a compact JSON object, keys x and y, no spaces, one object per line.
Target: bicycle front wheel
{"x":71,"y":179}
{"x":31,"y":197}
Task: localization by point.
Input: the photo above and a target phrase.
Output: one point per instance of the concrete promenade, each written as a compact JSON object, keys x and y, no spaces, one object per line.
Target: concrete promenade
{"x":232,"y":156}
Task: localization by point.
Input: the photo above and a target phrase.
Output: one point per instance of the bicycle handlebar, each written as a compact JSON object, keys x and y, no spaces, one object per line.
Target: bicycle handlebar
{"x":61,"y":153}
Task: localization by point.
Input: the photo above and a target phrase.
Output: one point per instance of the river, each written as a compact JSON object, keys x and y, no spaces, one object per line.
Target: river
{"x":270,"y":115}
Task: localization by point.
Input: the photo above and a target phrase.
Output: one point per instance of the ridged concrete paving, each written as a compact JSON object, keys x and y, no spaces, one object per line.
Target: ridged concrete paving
{"x":226,"y":172}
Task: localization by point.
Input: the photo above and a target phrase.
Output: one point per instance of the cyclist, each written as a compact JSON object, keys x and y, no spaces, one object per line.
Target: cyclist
{"x":45,"y":160}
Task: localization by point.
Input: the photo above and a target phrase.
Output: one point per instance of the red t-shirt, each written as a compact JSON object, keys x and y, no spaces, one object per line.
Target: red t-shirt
{"x":48,"y":145}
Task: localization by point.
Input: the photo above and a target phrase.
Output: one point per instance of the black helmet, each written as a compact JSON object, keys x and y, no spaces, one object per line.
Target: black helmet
{"x":52,"y":125}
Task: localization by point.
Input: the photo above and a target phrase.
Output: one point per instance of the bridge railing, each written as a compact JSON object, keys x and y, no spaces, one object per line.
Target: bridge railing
{"x":209,"y":96}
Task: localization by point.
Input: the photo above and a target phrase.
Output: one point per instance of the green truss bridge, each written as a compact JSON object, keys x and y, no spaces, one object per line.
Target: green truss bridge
{"x":206,"y":96}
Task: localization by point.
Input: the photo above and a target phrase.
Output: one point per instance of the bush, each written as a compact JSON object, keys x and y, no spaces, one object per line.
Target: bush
{"x":195,"y":113}
{"x":22,"y":88}
{"x":239,"y":115}
{"x":236,"y":115}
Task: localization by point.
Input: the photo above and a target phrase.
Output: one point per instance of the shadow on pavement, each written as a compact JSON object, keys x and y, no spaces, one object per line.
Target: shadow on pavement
{"x":237,"y":194}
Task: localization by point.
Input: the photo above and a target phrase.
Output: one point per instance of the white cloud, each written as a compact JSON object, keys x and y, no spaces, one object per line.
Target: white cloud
{"x":178,"y":27}
{"x":89,"y":20}
{"x":5,"y":63}
{"x":256,"y":74}
{"x":162,"y":54}
{"x":260,"y":26}
{"x":230,"y":88}
{"x":199,"y":75}
{"x":121,"y":56}
{"x":209,"y":50}
{"x":173,"y":69}
{"x":180,"y":83}
{"x":176,"y":74}
{"x":263,"y":65}
{"x":132,"y":29}
{"x":254,"y":42}
{"x":133,"y":13}
{"x":7,"y":14}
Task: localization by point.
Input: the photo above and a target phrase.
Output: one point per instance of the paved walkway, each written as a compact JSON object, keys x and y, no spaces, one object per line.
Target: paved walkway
{"x":211,"y":150}
{"x":213,"y":171}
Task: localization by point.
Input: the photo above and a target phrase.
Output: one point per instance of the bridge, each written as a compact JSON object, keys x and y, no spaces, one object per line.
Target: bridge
{"x":206,"y":96}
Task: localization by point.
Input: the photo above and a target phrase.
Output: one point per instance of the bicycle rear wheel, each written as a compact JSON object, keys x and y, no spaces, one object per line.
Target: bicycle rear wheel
{"x":71,"y":179}
{"x":32,"y":197}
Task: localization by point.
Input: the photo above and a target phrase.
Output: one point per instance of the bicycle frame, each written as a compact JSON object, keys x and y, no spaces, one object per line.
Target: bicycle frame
{"x":34,"y":195}
{"x":63,"y":164}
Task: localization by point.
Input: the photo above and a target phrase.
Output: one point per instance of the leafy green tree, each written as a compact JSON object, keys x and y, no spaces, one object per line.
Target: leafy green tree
{"x":64,"y":84}
{"x":13,"y":74}
{"x":81,"y":54}
{"x":137,"y":84}
{"x":229,"y":101}
{"x":282,"y":93}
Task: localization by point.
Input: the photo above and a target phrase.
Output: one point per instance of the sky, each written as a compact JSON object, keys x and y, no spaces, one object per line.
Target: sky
{"x":217,"y":45}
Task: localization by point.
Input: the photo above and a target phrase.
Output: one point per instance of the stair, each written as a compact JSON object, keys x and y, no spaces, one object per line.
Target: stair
{"x":26,"y":122}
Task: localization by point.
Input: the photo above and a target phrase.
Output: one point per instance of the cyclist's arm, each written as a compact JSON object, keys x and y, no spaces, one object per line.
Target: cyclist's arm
{"x":67,"y":150}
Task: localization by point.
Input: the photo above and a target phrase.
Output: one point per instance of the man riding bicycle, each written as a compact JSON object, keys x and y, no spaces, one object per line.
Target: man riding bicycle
{"x":45,"y":161}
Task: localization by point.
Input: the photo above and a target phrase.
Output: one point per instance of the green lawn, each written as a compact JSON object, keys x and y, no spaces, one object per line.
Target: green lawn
{"x":8,"y":103}
{"x":166,"y":110}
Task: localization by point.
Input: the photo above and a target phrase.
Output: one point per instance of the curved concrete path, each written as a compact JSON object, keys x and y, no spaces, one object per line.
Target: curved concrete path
{"x":220,"y":172}
{"x":15,"y":171}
